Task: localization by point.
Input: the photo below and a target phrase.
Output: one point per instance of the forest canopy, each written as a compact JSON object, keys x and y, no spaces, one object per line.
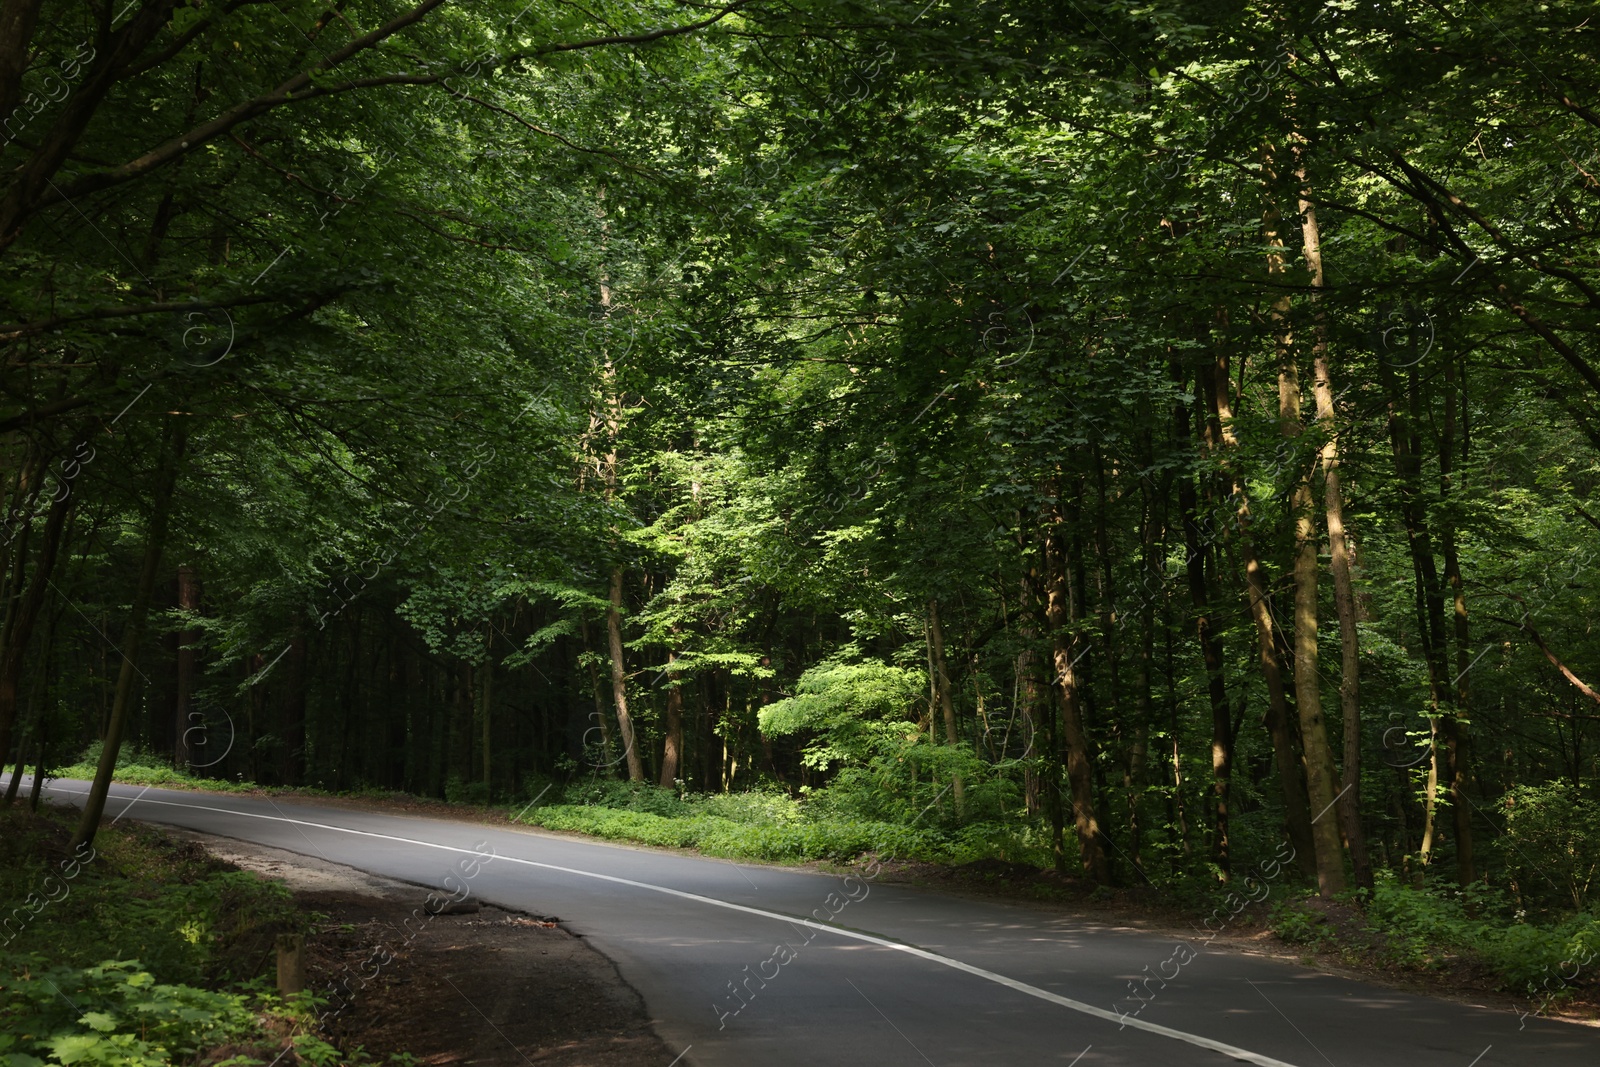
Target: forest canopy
{"x":1133,"y":437}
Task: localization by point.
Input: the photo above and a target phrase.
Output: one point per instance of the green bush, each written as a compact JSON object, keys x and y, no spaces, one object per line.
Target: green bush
{"x":458,"y":792}
{"x":627,"y":796}
{"x":115,"y":1014}
{"x":1416,"y":922}
{"x":1297,"y":924}
{"x":753,"y":807}
{"x":1476,"y":921}
{"x":1551,"y":848}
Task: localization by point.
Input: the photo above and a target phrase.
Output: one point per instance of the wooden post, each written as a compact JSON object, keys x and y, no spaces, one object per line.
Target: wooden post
{"x":291,"y":964}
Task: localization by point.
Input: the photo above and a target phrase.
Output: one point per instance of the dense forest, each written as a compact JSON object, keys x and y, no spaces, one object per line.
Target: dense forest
{"x":1145,"y":434}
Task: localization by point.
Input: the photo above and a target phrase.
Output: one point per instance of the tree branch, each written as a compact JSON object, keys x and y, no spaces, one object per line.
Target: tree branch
{"x":1528,"y":629}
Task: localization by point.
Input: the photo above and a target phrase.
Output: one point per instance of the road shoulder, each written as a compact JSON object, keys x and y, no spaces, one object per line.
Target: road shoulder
{"x":471,"y":983}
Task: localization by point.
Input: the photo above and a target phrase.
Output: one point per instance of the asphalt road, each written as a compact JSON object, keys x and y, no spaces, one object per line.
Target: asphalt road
{"x":746,"y":965}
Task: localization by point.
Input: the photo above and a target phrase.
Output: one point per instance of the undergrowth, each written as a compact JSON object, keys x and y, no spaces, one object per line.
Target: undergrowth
{"x":1429,"y":927}
{"x":137,"y":952}
{"x":772,"y":826}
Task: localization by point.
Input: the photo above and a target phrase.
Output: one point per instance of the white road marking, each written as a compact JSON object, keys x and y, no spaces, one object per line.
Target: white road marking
{"x":1196,"y":1040}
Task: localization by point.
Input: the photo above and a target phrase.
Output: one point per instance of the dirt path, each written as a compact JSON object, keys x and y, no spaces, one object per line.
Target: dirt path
{"x":472,"y":985}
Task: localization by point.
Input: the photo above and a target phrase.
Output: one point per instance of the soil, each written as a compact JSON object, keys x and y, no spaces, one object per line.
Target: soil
{"x":473,"y":984}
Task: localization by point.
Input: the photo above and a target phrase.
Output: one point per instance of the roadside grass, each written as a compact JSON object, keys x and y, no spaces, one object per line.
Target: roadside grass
{"x":770,"y":826}
{"x":136,"y":767}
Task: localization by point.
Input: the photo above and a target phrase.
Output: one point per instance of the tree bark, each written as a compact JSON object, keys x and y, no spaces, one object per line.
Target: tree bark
{"x":486,"y":699}
{"x":1213,"y":383}
{"x":601,"y":716}
{"x":155,"y":541}
{"x":1344,"y":597}
{"x":619,"y":678}
{"x":1320,"y":774}
{"x":941,"y":687}
{"x":672,"y":746}
{"x":1403,"y":415}
{"x":1455,"y":724}
{"x":1195,"y":552}
{"x":293,"y":756}
{"x":38,"y":723}
{"x":1031,"y":694}
{"x":1092,"y":851}
{"x":188,"y":600}
{"x":609,"y":467}
{"x":24,"y":613}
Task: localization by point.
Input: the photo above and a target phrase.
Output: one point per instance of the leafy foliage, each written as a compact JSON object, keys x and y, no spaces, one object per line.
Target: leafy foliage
{"x":114,"y":1013}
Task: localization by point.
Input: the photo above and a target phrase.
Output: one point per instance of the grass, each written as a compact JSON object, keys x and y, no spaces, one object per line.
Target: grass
{"x":718,"y":836}
{"x":770,"y":827}
{"x":136,"y":895}
{"x":767,"y":826}
{"x":135,"y":767}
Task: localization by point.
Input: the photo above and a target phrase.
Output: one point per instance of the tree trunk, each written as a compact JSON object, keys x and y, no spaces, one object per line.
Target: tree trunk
{"x":601,"y":717}
{"x":23,"y":613}
{"x":1344,"y":597}
{"x":486,"y":700}
{"x":1213,"y":384}
{"x":36,"y":787}
{"x":293,"y":756}
{"x":1031,"y":695}
{"x":1210,"y":654}
{"x":1151,"y":532}
{"x":672,"y":747}
{"x":1075,"y":741}
{"x":941,"y":686}
{"x":155,"y":541}
{"x":1455,"y":728}
{"x":34,"y":729}
{"x":182,"y":706}
{"x":1403,"y":414}
{"x":619,"y":678}
{"x":1320,"y":774}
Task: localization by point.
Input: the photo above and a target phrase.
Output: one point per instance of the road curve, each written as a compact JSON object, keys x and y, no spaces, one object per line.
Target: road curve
{"x":742,"y":965}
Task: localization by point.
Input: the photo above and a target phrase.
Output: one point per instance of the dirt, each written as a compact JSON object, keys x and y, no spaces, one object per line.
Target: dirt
{"x":471,"y":984}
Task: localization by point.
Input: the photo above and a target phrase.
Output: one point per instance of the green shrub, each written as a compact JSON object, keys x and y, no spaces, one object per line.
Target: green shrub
{"x":627,"y":796}
{"x":1297,"y":924}
{"x":753,"y":807}
{"x":1418,"y":922}
{"x":1551,"y":848}
{"x":114,"y":1014}
{"x":458,"y":792}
